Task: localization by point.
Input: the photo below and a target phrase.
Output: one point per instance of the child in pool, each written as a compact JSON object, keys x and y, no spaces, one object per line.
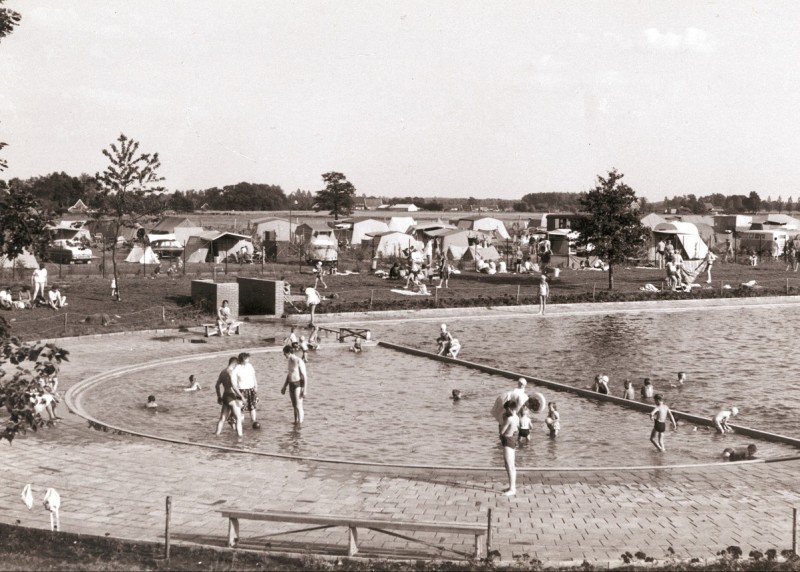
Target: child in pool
{"x":456,"y":396}
{"x":356,"y":346}
{"x":151,"y":402}
{"x":525,"y":424}
{"x":553,"y":420}
{"x":647,"y":389}
{"x":304,"y":348}
{"x":193,"y":385}
{"x":629,"y":393}
{"x":721,"y":420}
{"x":740,"y":454}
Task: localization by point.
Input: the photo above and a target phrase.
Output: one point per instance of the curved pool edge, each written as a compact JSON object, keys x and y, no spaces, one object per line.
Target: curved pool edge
{"x":72,"y":399}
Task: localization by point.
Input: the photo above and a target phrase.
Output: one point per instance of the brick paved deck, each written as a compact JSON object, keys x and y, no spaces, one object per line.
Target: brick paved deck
{"x":116,"y":485}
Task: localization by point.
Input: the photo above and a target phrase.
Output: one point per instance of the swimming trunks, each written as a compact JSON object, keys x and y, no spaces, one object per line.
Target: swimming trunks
{"x":660,"y":426}
{"x":602,"y":389}
{"x":524,"y":432}
{"x":250,"y":399}
{"x":510,"y":442}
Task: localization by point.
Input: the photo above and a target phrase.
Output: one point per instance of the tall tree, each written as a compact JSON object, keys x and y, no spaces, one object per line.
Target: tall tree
{"x":22,"y":224}
{"x":789,"y":205}
{"x":126,"y":188}
{"x":9,"y":19}
{"x":753,"y":202}
{"x":610,"y":227}
{"x":337,"y":196}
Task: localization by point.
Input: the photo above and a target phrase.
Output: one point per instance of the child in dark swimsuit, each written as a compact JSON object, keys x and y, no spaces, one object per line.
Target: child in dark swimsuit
{"x":659,"y":416}
{"x":525,"y":424}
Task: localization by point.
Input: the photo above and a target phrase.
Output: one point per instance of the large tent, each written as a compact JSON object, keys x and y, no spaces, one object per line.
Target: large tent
{"x":393,"y":243}
{"x":281,"y":229}
{"x":24,"y":260}
{"x":181,"y":227}
{"x":215,"y":246}
{"x":142,"y":255}
{"x":686,"y":239}
{"x":484,"y":223}
{"x":363,"y":229}
{"x":401,"y":223}
{"x":478,"y":253}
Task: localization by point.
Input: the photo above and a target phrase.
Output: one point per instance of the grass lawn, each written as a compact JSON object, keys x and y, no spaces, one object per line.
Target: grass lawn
{"x":163,"y":302}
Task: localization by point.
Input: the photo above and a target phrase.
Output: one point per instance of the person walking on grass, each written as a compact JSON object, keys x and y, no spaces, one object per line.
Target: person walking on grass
{"x":659,"y":417}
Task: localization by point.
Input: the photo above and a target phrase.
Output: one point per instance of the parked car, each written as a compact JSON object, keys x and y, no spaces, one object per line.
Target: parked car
{"x":167,"y":248}
{"x":65,"y":251}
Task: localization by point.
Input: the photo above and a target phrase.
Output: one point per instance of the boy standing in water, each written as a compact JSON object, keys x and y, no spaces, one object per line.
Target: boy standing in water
{"x":509,"y":426}
{"x":659,"y":416}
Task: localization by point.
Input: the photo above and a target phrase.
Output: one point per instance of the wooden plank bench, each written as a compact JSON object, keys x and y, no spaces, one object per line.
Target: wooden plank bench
{"x":353,"y":524}
{"x":213,"y":329}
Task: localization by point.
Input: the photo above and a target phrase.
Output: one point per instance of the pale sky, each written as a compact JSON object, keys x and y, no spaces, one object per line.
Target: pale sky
{"x":429,"y":98}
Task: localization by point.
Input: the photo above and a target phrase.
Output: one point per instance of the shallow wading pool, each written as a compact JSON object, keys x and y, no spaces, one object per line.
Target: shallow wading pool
{"x":386,"y":407}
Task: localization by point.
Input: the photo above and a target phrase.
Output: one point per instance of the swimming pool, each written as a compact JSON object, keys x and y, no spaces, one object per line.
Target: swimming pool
{"x":383,"y":406}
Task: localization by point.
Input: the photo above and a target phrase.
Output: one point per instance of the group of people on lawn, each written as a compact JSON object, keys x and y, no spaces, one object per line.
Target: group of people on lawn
{"x":42,"y":295}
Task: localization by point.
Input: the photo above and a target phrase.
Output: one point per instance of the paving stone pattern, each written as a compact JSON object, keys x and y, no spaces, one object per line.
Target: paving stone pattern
{"x":113,"y":484}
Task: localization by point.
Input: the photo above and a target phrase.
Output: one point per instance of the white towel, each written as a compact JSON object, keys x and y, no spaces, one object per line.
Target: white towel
{"x":52,"y":500}
{"x":27,"y":496}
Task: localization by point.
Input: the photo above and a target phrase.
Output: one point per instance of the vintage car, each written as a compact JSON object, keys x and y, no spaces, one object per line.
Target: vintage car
{"x":64,"y":251}
{"x":166,"y":248}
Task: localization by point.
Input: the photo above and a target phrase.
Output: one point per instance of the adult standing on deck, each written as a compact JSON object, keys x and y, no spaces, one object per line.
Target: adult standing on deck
{"x":229,"y":397}
{"x":296,"y":381}
{"x":248,"y":385}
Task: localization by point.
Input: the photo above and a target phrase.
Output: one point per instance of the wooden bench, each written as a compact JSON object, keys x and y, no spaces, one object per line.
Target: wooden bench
{"x":213,"y":329}
{"x":353,"y":524}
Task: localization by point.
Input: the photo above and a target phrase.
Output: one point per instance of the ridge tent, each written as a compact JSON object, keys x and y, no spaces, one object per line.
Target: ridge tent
{"x":142,"y":255}
{"x":215,"y":246}
{"x":23,"y":260}
{"x":488,"y":253}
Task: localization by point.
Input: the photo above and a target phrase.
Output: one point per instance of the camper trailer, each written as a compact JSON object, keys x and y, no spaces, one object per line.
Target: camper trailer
{"x":761,"y":241}
{"x":64,"y":251}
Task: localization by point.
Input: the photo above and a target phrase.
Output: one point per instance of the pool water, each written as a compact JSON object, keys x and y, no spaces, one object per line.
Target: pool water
{"x":387,"y":407}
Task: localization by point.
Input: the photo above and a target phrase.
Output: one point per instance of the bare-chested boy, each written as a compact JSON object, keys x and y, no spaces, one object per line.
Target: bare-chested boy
{"x":230,"y":398}
{"x":296,"y":381}
{"x":659,"y":416}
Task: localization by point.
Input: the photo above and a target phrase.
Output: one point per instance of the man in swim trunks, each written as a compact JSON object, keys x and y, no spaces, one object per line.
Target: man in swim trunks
{"x":248,"y":385}
{"x":659,"y":416}
{"x":508,"y":429}
{"x":296,"y":381}
{"x":230,"y":398}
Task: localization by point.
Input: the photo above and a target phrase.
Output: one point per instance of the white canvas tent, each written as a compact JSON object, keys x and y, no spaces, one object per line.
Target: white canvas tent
{"x":484,"y":223}
{"x":24,"y":260}
{"x":478,"y":253}
{"x":215,"y":246}
{"x":142,"y":255}
{"x":393,"y":243}
{"x":401,"y":223}
{"x":686,"y":239}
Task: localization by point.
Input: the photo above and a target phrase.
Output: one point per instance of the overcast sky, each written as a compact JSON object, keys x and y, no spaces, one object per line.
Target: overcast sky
{"x":430,"y":98}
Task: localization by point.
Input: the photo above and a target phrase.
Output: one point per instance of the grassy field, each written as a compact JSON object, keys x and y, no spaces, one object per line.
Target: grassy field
{"x":161,"y":302}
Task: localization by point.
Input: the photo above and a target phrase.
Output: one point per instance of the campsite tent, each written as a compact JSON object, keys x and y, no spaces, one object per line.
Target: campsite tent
{"x":24,"y":260}
{"x":78,"y":207}
{"x":488,"y":253}
{"x":401,"y":223}
{"x":281,"y":230}
{"x":393,"y":243}
{"x":686,"y":239}
{"x":215,"y":246}
{"x":651,"y":220}
{"x":484,"y":223}
{"x":181,"y":227}
{"x":142,"y":255}
{"x":363,"y":228}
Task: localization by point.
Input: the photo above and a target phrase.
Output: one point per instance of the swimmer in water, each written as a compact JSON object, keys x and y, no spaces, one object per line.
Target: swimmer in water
{"x":553,"y":420}
{"x":151,"y":402}
{"x":647,"y":389}
{"x":525,"y":424}
{"x":456,"y":396}
{"x":455,"y":347}
{"x":193,"y":385}
{"x":721,"y":420}
{"x":356,"y":345}
{"x":304,"y":348}
{"x":629,"y":393}
{"x":740,"y":454}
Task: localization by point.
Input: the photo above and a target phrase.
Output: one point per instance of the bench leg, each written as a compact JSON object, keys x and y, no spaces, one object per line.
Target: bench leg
{"x":352,"y":537}
{"x":478,"y":545}
{"x":233,"y":532}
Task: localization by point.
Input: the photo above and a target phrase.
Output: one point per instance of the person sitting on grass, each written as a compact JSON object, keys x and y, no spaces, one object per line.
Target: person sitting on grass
{"x":6,"y":302}
{"x":54,"y":298}
{"x":25,"y":301}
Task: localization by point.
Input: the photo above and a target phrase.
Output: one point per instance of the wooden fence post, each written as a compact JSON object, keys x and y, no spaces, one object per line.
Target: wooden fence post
{"x":489,"y":533}
{"x":594,"y":286}
{"x":435,"y":297}
{"x":518,"y":287}
{"x":794,"y":531}
{"x":166,"y":529}
{"x":65,"y":322}
{"x":163,"y":314}
{"x":371,"y":297}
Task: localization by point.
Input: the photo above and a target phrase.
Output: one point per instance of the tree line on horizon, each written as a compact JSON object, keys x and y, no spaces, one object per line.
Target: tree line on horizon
{"x":59,"y":191}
